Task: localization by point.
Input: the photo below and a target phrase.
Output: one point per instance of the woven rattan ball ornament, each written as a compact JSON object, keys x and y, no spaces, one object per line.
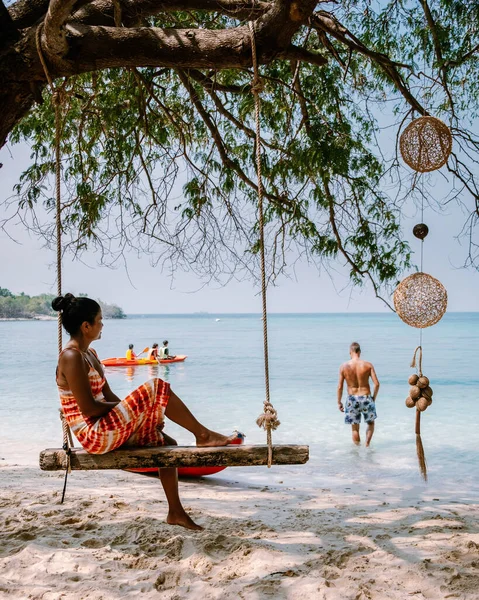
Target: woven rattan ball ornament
{"x":426,"y":144}
{"x":420,"y":300}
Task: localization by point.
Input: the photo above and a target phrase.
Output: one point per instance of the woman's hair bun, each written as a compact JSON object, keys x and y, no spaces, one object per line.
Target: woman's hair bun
{"x":61,"y":303}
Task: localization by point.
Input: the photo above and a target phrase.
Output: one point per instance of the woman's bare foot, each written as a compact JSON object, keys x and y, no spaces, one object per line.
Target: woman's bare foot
{"x":183,"y":520}
{"x":211,"y":438}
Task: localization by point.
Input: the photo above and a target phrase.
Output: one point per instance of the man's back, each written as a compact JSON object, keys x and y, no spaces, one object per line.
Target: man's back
{"x":359,"y":404}
{"x":357,"y":372}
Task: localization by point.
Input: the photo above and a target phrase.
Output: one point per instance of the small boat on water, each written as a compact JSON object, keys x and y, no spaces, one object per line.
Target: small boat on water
{"x":123,"y":362}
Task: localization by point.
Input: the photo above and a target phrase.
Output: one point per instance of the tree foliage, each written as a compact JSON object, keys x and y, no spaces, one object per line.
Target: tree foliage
{"x":158,"y":142}
{"x":22,"y":306}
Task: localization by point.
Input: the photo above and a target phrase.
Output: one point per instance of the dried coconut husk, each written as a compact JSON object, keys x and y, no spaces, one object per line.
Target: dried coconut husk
{"x":421,"y":457}
{"x":414,"y":392}
{"x":413,"y":379}
{"x":423,"y":381}
{"x":422,"y":404}
{"x":410,"y":403}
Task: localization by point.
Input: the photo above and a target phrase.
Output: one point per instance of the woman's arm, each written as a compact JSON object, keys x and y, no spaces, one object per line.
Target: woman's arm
{"x":74,"y":370}
{"x":109,"y":395}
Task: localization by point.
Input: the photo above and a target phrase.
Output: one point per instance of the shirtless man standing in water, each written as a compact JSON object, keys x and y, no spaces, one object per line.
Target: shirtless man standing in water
{"x":357,"y":372}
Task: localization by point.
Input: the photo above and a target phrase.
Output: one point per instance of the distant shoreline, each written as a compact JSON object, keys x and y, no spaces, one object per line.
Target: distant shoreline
{"x":34,"y":318}
{"x":44,"y":318}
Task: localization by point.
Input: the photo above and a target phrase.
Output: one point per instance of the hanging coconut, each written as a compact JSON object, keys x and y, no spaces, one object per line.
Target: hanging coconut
{"x":414,"y":392}
{"x":410,"y":403}
{"x":427,"y":393}
{"x":422,"y":382}
{"x":426,"y":144}
{"x":420,"y":300}
{"x":422,"y":404}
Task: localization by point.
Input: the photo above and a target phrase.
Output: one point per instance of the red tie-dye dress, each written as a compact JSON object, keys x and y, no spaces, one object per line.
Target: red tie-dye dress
{"x":137,"y":420}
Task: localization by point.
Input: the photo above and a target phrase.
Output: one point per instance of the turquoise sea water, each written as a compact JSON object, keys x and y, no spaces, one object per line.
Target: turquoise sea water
{"x":222,"y":381}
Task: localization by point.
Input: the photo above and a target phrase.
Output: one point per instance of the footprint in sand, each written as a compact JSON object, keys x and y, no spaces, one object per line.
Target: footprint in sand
{"x":93,"y":543}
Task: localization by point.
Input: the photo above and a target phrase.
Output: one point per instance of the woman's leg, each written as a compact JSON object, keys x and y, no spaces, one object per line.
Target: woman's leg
{"x":176,"y":512}
{"x":178,"y":412}
{"x":169,"y":481}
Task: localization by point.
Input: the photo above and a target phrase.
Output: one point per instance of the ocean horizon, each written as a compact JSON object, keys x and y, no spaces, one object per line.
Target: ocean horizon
{"x":284,"y":314}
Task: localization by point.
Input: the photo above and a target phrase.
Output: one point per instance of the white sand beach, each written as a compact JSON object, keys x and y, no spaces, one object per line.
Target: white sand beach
{"x":268,"y":534}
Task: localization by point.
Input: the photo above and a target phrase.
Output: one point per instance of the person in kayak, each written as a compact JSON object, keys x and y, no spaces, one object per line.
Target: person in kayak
{"x":101,"y":421}
{"x":153,"y":352}
{"x":164,"y":353}
{"x":130,"y":354}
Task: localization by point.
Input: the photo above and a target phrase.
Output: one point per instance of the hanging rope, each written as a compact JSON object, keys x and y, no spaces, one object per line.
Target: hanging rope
{"x":419,"y":361}
{"x":269,"y":419}
{"x":58,"y":97}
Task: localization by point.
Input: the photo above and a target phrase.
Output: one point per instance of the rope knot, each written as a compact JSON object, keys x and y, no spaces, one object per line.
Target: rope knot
{"x":58,"y":97}
{"x":257,"y":85}
{"x":269,"y":419}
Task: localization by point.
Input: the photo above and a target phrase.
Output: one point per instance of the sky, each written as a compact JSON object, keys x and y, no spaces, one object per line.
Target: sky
{"x":29,"y":267}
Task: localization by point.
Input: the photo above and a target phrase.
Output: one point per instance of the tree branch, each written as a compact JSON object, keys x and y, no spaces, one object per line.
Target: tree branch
{"x":91,"y":46}
{"x":227,"y":161}
{"x":458,"y":62}
{"x":54,"y":26}
{"x":342,"y":249}
{"x":8,"y":29}
{"x":301,"y":54}
{"x":211,"y":89}
{"x":26,"y":13}
{"x":212,"y":85}
{"x":438,"y":52}
{"x":100,"y":12}
{"x":328,"y":24}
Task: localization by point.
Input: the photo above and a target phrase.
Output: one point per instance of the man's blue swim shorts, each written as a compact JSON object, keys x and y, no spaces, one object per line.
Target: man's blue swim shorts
{"x":357,"y":406}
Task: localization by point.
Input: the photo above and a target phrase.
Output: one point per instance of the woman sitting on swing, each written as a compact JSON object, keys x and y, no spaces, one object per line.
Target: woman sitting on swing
{"x":100,"y":420}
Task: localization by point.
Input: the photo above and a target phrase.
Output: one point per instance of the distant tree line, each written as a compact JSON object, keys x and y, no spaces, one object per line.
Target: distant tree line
{"x":22,"y":306}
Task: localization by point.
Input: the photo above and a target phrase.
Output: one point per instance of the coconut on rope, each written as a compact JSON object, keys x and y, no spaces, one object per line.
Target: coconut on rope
{"x":268,"y":420}
{"x":420,"y":397}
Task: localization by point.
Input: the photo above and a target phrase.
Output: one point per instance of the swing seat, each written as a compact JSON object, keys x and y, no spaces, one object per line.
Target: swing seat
{"x":55,"y":459}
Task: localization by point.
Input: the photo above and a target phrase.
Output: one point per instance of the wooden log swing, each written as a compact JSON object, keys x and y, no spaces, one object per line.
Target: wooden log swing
{"x":69,"y":458}
{"x":54,"y":459}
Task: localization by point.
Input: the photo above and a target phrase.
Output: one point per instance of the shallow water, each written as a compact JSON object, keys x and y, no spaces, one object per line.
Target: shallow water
{"x":222,"y":381}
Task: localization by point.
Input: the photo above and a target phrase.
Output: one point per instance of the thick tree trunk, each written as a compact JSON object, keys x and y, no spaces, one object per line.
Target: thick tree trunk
{"x":21,"y":81}
{"x":73,"y":45}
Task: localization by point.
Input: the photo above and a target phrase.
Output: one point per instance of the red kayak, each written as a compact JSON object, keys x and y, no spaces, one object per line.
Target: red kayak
{"x":123,"y":362}
{"x":190,"y":471}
